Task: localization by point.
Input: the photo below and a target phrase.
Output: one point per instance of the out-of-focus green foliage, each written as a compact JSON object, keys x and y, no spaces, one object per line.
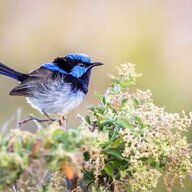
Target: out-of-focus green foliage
{"x":28,"y":160}
{"x":126,"y":144}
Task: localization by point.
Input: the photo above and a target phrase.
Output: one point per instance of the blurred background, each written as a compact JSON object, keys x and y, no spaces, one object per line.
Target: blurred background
{"x":155,"y":35}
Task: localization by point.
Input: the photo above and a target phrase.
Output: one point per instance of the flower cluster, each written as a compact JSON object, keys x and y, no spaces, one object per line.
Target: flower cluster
{"x":126,"y":144}
{"x":145,"y":141}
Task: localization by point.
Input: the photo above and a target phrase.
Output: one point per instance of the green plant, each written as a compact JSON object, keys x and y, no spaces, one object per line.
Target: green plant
{"x":143,"y":140}
{"x":126,"y":144}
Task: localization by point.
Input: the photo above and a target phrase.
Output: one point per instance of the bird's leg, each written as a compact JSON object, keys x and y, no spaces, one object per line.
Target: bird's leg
{"x":62,"y":121}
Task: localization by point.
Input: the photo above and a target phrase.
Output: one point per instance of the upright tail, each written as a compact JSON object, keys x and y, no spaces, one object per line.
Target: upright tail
{"x":7,"y":71}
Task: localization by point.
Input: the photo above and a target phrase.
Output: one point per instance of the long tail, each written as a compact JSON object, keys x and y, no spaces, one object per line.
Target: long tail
{"x":7,"y":71}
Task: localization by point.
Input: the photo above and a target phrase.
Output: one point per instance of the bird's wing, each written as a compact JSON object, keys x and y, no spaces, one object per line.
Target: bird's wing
{"x":35,"y":78}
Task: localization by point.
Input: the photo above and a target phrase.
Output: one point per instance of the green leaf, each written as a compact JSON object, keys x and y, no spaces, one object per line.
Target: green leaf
{"x":58,"y":134}
{"x":18,"y":146}
{"x":87,"y":119}
{"x":139,"y":121}
{"x":116,"y":81}
{"x":103,"y":100}
{"x":111,"y":144}
{"x":116,"y":153}
{"x":99,"y":96}
{"x":124,"y":123}
{"x":136,"y":102}
{"x":117,"y":142}
{"x":155,"y":164}
{"x":109,"y":169}
{"x":106,"y":145}
{"x":127,"y":83}
{"x":100,"y":109}
{"x":124,"y":101}
{"x":108,"y":122}
{"x":91,"y":108}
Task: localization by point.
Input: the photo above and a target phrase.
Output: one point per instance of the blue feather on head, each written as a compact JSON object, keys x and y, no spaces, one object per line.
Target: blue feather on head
{"x":79,"y":57}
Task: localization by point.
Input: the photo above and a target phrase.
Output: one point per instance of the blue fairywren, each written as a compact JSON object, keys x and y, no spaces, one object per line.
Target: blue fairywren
{"x":56,"y":87}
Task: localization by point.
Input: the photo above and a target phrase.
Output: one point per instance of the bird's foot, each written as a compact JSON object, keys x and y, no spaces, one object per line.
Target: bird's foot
{"x":63,"y":121}
{"x":32,"y":118}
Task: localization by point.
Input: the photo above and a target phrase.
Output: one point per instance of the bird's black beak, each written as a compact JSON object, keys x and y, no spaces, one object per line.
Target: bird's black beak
{"x":96,"y":64}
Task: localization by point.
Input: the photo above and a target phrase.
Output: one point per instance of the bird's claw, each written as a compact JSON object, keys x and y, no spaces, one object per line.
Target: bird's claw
{"x":63,"y":121}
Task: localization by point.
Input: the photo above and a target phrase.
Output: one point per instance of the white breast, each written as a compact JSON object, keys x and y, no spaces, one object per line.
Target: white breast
{"x":57,"y":100}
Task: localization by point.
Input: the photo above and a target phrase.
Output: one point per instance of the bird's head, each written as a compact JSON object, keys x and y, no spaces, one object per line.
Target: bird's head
{"x":74,"y":64}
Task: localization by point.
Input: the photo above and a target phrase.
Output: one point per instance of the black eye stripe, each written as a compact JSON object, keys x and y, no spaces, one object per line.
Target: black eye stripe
{"x":67,"y":64}
{"x":64,"y":64}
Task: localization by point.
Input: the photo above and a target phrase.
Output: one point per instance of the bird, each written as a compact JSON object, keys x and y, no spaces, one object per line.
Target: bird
{"x":57,"y":87}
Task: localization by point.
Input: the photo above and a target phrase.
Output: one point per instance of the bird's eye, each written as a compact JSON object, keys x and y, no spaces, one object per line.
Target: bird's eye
{"x":81,"y":64}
